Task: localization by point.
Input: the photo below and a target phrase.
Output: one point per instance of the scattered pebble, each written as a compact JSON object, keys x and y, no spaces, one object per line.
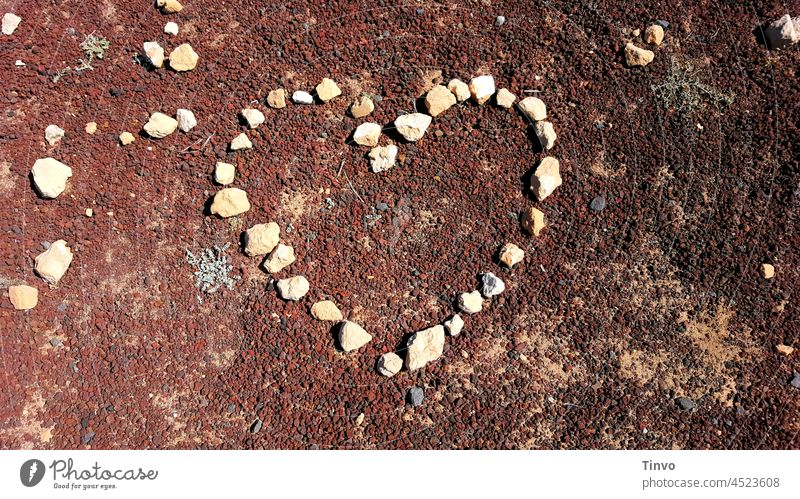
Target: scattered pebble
{"x":293,"y":288}
{"x":459,"y":89}
{"x":412,"y":126}
{"x":160,"y":125}
{"x":471,"y":302}
{"x":171,"y":28}
{"x":533,"y":108}
{"x":280,"y":258}
{"x":53,"y":134}
{"x":482,"y":88}
{"x":781,"y":33}
{"x":10,"y":23}
{"x":654,"y":35}
{"x":50,"y":177}
{"x":686,"y":403}
{"x":327,"y":90}
{"x":224,"y":173}
{"x":230,"y":202}
{"x":256,"y":426}
{"x":240,"y":142}
{"x":126,"y":138}
{"x":499,"y":21}
{"x":454,"y":325}
{"x":511,"y":254}
{"x":383,"y":158}
{"x":253,"y":117}
{"x":352,"y":336}
{"x":262,"y":239}
{"x":91,"y":127}
{"x":546,"y":179}
{"x":533,"y":221}
{"x":784,"y":349}
{"x":53,"y":263}
{"x":636,"y":56}
{"x":276,"y":99}
{"x":326,"y":310}
{"x":23,"y":297}
{"x":183,"y":58}
{"x":598,"y":204}
{"x":89,"y":212}
{"x":360,"y":419}
{"x":19,"y":63}
{"x":389,"y":364}
{"x":186,"y":120}
{"x":438,"y":100}
{"x":367,"y":134}
{"x":302,"y":97}
{"x":415,"y":396}
{"x":154,"y":53}
{"x":505,"y":98}
{"x":795,"y":382}
{"x":635,"y":32}
{"x":491,"y":285}
{"x":169,"y":6}
{"x":362,"y":107}
{"x":546,"y":134}
{"x":424,"y":346}
{"x":767,"y":271}
{"x":664,"y":24}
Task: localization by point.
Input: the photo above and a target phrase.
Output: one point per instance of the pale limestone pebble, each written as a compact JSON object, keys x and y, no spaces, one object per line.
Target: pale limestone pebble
{"x":767,"y":271}
{"x":280,"y":258}
{"x":262,"y":239}
{"x":454,"y":325}
{"x":383,"y":158}
{"x":126,"y":138}
{"x":186,"y":120}
{"x":471,"y":302}
{"x":438,"y":100}
{"x":171,"y":28}
{"x":783,"y":32}
{"x":654,"y":35}
{"x":481,"y":88}
{"x":367,"y":134}
{"x":52,"y":264}
{"x":635,"y":56}
{"x":302,"y":97}
{"x":91,"y":127}
{"x":293,"y":288}
{"x":160,"y":125}
{"x":505,"y":99}
{"x":389,"y":364}
{"x":169,"y":6}
{"x":10,"y":23}
{"x":50,"y":177}
{"x":546,"y":179}
{"x":784,"y":349}
{"x":327,"y":90}
{"x":546,"y":134}
{"x":89,"y":212}
{"x":23,"y":297}
{"x":533,"y":108}
{"x":362,"y":106}
{"x":183,"y":58}
{"x":326,"y":310}
{"x":412,"y":126}
{"x":352,"y":336}
{"x":224,"y":173}
{"x":276,"y":99}
{"x":230,"y":202}
{"x":459,"y":89}
{"x":511,"y":254}
{"x":533,"y":221}
{"x":424,"y":347}
{"x":253,"y":117}
{"x":53,"y":134}
{"x":154,"y":53}
{"x":240,"y":142}
{"x":360,"y":419}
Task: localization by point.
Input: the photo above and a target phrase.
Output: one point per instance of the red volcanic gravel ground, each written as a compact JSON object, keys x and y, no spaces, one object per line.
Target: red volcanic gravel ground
{"x":612,"y":316}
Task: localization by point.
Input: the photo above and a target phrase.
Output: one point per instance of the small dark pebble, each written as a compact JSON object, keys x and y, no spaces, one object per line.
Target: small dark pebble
{"x":381,"y":206}
{"x":55,"y":342}
{"x":415,"y":396}
{"x":598,"y":203}
{"x":686,"y":403}
{"x":664,"y":24}
{"x":256,"y":426}
{"x":62,"y":307}
{"x":116,"y":92}
{"x":87,"y":439}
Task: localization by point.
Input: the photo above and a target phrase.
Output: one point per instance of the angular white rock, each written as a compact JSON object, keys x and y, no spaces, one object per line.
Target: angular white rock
{"x":382,"y":158}
{"x":454,"y":325}
{"x":10,"y":23}
{"x":241,"y":142}
{"x":53,"y":134}
{"x":505,"y":98}
{"x":459,"y":89}
{"x":224,"y":173}
{"x":367,"y":134}
{"x":389,"y":364}
{"x":425,"y":346}
{"x":52,"y":264}
{"x":160,"y":125}
{"x":546,"y":178}
{"x":293,"y":288}
{"x":471,"y":302}
{"x":352,"y":336}
{"x":546,"y":134}
{"x":302,"y":97}
{"x":171,"y":28}
{"x":482,"y":88}
{"x":533,"y":108}
{"x":280,"y":258}
{"x":186,"y":120}
{"x":491,"y":285}
{"x":783,"y":32}
{"x":412,"y":126}
{"x":253,"y":117}
{"x":154,"y":53}
{"x":50,"y":177}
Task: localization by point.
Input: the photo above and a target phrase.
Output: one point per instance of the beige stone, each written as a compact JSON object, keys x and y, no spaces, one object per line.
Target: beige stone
{"x":327,"y":90}
{"x":363,"y":106}
{"x":654,"y":34}
{"x":482,"y":88}
{"x":326,"y":310}
{"x":533,"y":108}
{"x":383,"y":158}
{"x":511,"y":254}
{"x":280,"y":258}
{"x":23,"y":297}
{"x":126,"y":138}
{"x":53,"y":263}
{"x":533,"y":221}
{"x":183,"y":58}
{"x":471,"y":302}
{"x":160,"y":125}
{"x":767,"y":271}
{"x":367,"y":134}
{"x":91,"y":127}
{"x":636,"y":56}
{"x":293,"y":288}
{"x":546,"y":134}
{"x":276,"y":99}
{"x":546,"y":179}
{"x":262,"y":239}
{"x":154,"y":53}
{"x":253,"y":117}
{"x":352,"y":336}
{"x":169,"y":6}
{"x":424,"y":347}
{"x":459,"y":89}
{"x":454,"y":325}
{"x":240,"y":142}
{"x":783,"y":32}
{"x":412,"y":126}
{"x":505,"y":98}
{"x":389,"y":364}
{"x":50,"y":177}
{"x":784,"y":349}
{"x":230,"y":202}
{"x":53,"y":134}
{"x":438,"y":100}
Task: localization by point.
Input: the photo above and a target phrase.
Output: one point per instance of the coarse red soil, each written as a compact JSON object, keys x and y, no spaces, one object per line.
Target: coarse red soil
{"x":612,"y":316}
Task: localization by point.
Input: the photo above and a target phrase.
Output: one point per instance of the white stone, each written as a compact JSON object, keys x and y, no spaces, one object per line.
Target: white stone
{"x":424,"y":347}
{"x":241,"y":142}
{"x":261,"y":239}
{"x":171,"y":28}
{"x":326,"y":310}
{"x":302,"y":97}
{"x":52,"y":264}
{"x":280,"y":258}
{"x":53,"y":134}
{"x":454,"y":325}
{"x":389,"y":364}
{"x":253,"y":117}
{"x":382,"y":158}
{"x":230,"y":202}
{"x":186,"y":120}
{"x":482,"y":88}
{"x":183,"y":58}
{"x":154,"y":53}
{"x":352,"y":336}
{"x":546,"y":178}
{"x":293,"y":288}
{"x":126,"y":138}
{"x":160,"y":125}
{"x":327,"y":90}
{"x":546,"y":134}
{"x":533,"y":108}
{"x":10,"y":23}
{"x":459,"y":89}
{"x":23,"y":297}
{"x":367,"y":134}
{"x":50,"y":177}
{"x":91,"y":127}
{"x":781,"y":33}
{"x":224,"y":173}
{"x":511,"y":254}
{"x":412,"y":126}
{"x":471,"y":302}
{"x":505,"y":98}
{"x":491,"y":285}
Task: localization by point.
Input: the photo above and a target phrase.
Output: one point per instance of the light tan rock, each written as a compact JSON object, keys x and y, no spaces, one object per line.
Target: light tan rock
{"x":383,"y":158}
{"x":767,"y":271}
{"x":533,"y":221}
{"x":10,"y":23}
{"x":352,"y":336}
{"x":230,"y":202}
{"x":280,"y":258}
{"x":654,"y":34}
{"x":276,"y":99}
{"x":511,"y":254}
{"x":91,"y":127}
{"x":363,"y":106}
{"x":53,"y":263}
{"x":23,"y":297}
{"x":546,"y":134}
{"x":438,"y":100}
{"x":262,"y":239}
{"x":126,"y":138}
{"x":154,"y":53}
{"x":367,"y":134}
{"x":389,"y":364}
{"x":186,"y":120}
{"x":53,"y":134}
{"x":454,"y":325}
{"x":293,"y":288}
{"x":224,"y":173}
{"x":241,"y":142}
{"x":327,"y":90}
{"x":326,"y":310}
{"x":171,"y":28}
{"x":253,"y":117}
{"x":636,"y":56}
{"x":784,"y":349}
{"x":50,"y":177}
{"x":533,"y":108}
{"x":424,"y":347}
{"x":412,"y":126}
{"x":482,"y":88}
{"x":471,"y":302}
{"x":169,"y":6}
{"x":783,"y":32}
{"x":183,"y":58}
{"x":546,"y":179}
{"x":160,"y":125}
{"x":459,"y":89}
{"x":505,"y":98}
